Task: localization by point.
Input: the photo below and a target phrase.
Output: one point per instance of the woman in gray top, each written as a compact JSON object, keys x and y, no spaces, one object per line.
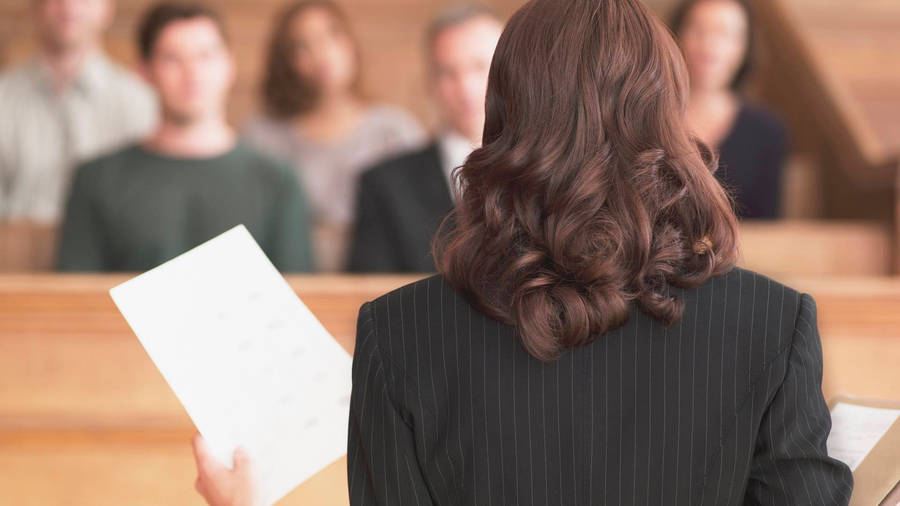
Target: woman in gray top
{"x":316,"y":117}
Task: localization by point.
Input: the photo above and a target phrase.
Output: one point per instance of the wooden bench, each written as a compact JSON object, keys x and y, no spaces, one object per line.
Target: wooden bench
{"x":817,"y":248}
{"x":27,"y":246}
{"x":85,"y":418}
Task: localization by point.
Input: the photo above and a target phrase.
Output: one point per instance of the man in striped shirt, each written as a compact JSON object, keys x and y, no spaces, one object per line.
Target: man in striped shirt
{"x":66,"y":105}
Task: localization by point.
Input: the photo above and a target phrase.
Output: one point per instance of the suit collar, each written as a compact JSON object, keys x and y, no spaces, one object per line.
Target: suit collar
{"x":432,"y":180}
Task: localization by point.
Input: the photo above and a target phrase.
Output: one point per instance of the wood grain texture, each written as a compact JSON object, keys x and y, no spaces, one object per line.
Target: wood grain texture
{"x":844,"y":57}
{"x":82,"y":403}
{"x":27,"y":246}
{"x":817,"y":248}
{"x":790,"y":247}
{"x":390,"y":31}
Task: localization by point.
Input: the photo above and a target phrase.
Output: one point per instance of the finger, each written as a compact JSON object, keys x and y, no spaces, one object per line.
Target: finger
{"x":199,"y":446}
{"x":242,"y":461}
{"x":206,"y":462}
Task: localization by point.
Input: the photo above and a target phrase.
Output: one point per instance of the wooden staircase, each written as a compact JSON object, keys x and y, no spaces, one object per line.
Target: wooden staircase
{"x":831,"y":67}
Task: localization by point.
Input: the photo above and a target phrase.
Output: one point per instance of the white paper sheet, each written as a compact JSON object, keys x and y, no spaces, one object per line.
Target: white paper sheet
{"x":249,"y":362}
{"x":855,"y":430}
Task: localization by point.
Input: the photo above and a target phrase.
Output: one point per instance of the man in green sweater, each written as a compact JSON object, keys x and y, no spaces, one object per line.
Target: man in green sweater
{"x":191,"y":179}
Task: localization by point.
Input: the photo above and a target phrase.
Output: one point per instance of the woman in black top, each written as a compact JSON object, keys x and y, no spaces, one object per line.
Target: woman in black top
{"x":716,"y":37}
{"x":588,"y":340}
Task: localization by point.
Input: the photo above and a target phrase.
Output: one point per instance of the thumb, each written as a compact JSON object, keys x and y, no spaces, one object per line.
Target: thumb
{"x":246,"y":476}
{"x":201,"y":451}
{"x":242,"y":461}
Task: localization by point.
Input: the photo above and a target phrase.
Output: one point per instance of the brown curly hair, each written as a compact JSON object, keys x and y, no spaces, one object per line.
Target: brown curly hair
{"x":589,"y":193}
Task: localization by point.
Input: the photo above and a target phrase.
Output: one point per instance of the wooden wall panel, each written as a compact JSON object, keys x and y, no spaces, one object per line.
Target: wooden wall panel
{"x":83,"y":405}
{"x":390,"y":32}
{"x":829,"y":72}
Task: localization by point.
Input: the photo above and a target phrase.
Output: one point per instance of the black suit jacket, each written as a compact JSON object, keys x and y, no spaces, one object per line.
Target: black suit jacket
{"x":723,"y":408}
{"x":400,"y":204}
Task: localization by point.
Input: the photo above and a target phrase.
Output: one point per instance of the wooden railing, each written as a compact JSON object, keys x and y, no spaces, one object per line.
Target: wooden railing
{"x":27,"y":247}
{"x":785,"y":248}
{"x":817,"y":248}
{"x":86,"y":419}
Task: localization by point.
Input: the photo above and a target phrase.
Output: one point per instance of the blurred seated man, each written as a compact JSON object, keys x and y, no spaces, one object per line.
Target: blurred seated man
{"x":67,"y":104}
{"x":402,"y":201}
{"x":190,"y":180}
{"x":716,"y":37}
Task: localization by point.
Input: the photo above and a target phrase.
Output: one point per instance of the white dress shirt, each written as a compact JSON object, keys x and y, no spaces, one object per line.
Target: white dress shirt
{"x":454,"y":149}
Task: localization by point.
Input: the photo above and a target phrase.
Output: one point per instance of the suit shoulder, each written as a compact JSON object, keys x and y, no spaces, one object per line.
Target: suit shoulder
{"x":757,"y":286}
{"x":400,"y":167}
{"x":744,"y":275}
{"x":763,"y":298}
{"x":420,"y":287}
{"x":414,"y":302}
{"x":400,"y":312}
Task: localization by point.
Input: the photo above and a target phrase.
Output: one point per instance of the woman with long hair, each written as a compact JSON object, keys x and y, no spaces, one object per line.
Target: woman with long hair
{"x":316,"y":116}
{"x":717,"y":39}
{"x":589,"y":340}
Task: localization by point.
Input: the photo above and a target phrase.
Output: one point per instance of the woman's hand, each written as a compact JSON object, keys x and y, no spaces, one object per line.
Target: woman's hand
{"x":221,"y":486}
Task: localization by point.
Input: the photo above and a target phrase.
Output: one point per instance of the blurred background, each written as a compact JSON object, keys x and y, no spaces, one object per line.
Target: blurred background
{"x":801,"y":98}
{"x":828,"y":71}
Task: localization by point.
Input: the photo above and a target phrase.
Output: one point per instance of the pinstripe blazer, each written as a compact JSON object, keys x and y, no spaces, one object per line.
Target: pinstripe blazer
{"x":724,"y":407}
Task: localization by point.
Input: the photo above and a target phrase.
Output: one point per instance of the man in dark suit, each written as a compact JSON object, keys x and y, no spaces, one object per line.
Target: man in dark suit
{"x":402,"y":201}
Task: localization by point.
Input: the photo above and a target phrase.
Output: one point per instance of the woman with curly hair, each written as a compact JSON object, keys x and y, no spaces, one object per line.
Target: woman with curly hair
{"x":589,"y":339}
